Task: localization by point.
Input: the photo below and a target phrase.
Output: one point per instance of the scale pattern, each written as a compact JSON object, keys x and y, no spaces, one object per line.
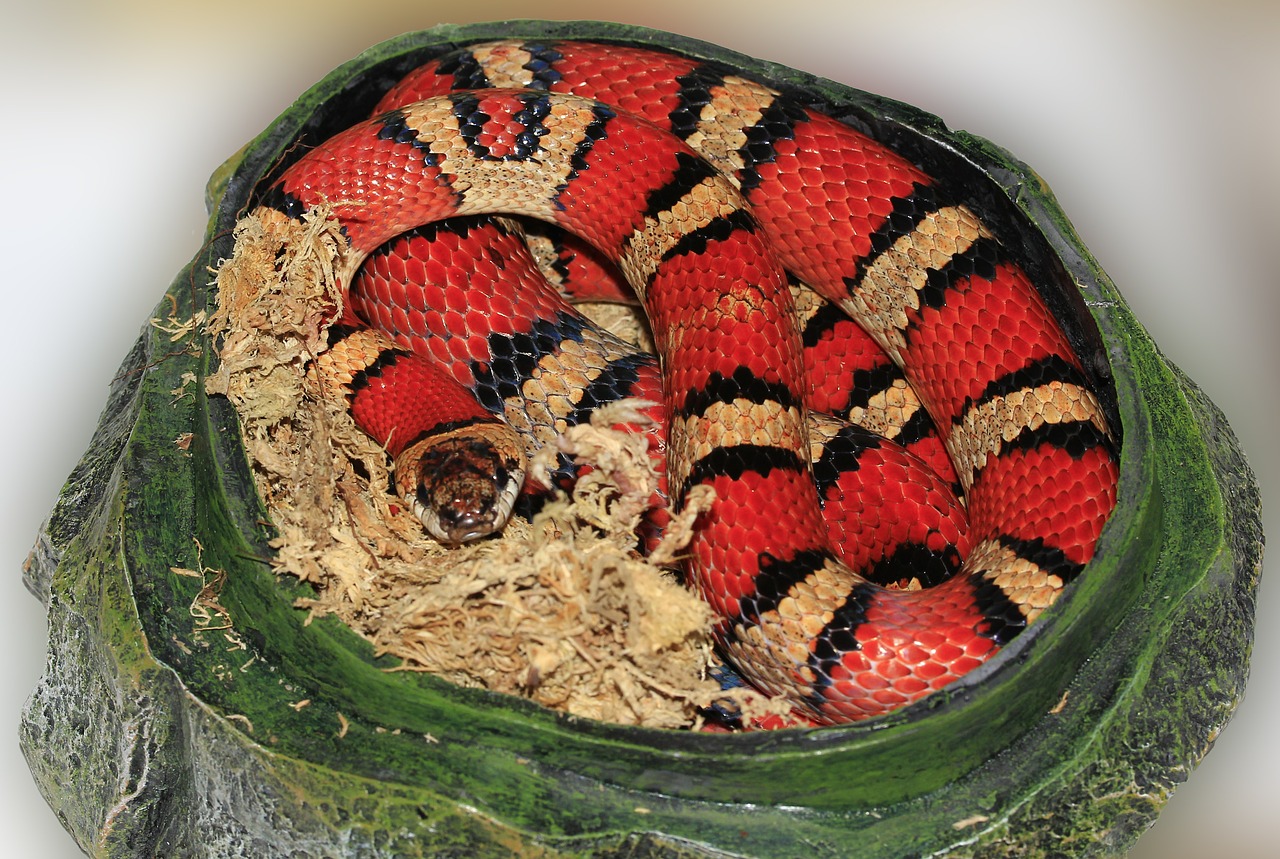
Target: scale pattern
{"x":725,"y":206}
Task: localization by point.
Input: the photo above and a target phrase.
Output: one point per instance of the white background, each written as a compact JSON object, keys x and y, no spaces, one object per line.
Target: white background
{"x":1156,"y":123}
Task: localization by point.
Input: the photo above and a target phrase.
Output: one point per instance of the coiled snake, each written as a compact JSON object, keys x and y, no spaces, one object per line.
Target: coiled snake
{"x":787,"y":263}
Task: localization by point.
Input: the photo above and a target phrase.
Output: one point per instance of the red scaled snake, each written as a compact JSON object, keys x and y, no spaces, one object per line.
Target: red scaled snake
{"x":754,"y":229}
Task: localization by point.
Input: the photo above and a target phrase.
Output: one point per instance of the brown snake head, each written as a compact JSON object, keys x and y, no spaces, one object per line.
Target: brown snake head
{"x":462,"y":484}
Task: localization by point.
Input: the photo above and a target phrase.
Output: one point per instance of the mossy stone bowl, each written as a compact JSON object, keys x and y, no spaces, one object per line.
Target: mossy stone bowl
{"x":151,"y":733}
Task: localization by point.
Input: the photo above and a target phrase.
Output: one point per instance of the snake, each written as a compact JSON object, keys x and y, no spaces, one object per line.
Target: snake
{"x":738,"y":214}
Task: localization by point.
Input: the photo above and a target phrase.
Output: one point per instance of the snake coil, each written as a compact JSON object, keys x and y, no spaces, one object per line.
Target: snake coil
{"x":757,"y":233}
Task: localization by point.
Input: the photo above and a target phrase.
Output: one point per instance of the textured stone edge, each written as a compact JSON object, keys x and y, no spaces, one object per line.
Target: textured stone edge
{"x":135,"y":716}
{"x":135,"y":765}
{"x":1175,"y":705}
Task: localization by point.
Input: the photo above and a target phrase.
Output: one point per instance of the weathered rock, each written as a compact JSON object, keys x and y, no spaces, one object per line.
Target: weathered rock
{"x":187,"y":709}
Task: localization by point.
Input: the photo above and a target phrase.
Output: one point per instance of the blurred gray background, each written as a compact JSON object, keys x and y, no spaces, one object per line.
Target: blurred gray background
{"x":1154,"y":121}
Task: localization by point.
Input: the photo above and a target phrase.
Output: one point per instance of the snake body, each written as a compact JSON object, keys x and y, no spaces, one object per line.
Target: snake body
{"x":716,"y":197}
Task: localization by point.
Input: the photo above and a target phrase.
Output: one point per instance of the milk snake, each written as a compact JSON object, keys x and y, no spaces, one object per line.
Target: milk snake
{"x":727,"y":206}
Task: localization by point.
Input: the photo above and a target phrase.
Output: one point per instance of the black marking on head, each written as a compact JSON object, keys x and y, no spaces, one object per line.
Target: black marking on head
{"x":775,"y":579}
{"x":841,"y":455}
{"x":910,"y":561}
{"x":471,"y":463}
{"x":514,"y":357}
{"x":541,"y":65}
{"x":742,"y":385}
{"x":466,"y":70}
{"x":691,"y":171}
{"x":733,"y":461}
{"x":615,"y":382}
{"x":838,"y":637}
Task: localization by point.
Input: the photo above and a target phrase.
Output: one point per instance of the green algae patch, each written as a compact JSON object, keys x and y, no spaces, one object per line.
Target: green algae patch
{"x":193,"y":706}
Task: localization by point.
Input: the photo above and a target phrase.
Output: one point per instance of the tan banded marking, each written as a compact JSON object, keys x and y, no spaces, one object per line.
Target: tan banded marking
{"x":504,"y":63}
{"x":736,"y":106}
{"x":889,"y":289}
{"x":521,"y":186}
{"x":711,"y":199}
{"x":1025,"y":585}
{"x":788,"y":654}
{"x":822,"y":429}
{"x":349,"y":357}
{"x":986,"y":427}
{"x":727,"y":425}
{"x":545,"y":250}
{"x":888,"y":411}
{"x":555,"y":389}
{"x":807,"y":301}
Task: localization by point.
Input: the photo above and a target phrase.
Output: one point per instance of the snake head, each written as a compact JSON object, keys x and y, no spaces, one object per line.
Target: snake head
{"x":462,"y":482}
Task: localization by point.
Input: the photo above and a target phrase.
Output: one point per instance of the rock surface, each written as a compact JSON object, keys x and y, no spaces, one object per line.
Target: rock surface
{"x":188,"y":710}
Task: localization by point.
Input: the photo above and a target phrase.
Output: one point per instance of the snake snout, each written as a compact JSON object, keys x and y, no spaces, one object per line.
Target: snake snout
{"x":467,"y":484}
